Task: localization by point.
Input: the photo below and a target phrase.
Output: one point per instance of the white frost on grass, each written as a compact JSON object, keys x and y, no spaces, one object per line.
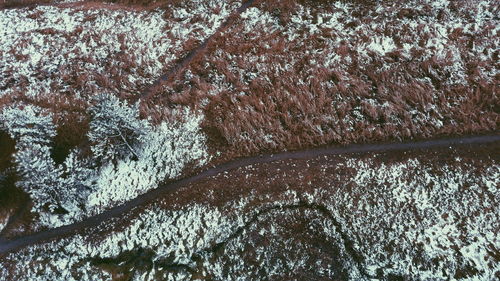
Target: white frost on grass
{"x":55,"y":40}
{"x":381,"y":45}
{"x":409,"y":52}
{"x":173,"y":236}
{"x":255,"y":18}
{"x":52,"y":48}
{"x":268,"y":247}
{"x":177,"y":234}
{"x":453,"y":231}
{"x":416,"y":220}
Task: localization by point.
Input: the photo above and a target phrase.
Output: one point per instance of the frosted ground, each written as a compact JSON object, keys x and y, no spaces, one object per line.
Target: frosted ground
{"x":57,"y":62}
{"x":360,"y":218}
{"x":49,"y":50}
{"x":418,"y":217}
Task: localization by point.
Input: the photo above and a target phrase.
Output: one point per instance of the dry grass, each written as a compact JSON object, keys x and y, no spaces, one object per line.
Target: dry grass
{"x":263,"y":92}
{"x":9,"y":4}
{"x":333,"y":180}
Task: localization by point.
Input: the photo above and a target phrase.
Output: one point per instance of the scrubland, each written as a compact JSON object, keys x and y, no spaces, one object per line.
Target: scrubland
{"x":101,"y":101}
{"x":412,"y":215}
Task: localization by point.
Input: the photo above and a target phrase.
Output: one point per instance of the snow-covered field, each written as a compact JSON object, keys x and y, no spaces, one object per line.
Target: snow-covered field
{"x":67,"y":66}
{"x":372,"y":217}
{"x":278,"y":77}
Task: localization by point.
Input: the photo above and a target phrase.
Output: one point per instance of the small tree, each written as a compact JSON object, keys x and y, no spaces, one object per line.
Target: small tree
{"x":57,"y":191}
{"x":114,"y":128}
{"x":165,"y":152}
{"x":27,"y":124}
{"x":33,"y":129}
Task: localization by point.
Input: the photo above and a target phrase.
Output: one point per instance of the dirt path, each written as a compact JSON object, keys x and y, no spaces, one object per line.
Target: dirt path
{"x":149,"y":92}
{"x":168,"y":76}
{"x":7,"y":246}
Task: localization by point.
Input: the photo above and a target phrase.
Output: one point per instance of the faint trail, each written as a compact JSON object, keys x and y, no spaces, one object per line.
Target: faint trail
{"x":348,"y":244}
{"x":150,"y":91}
{"x":163,"y":189}
{"x":129,"y":257}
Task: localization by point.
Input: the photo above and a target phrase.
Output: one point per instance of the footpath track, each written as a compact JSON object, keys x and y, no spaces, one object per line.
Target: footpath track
{"x":7,"y":246}
{"x":172,"y":73}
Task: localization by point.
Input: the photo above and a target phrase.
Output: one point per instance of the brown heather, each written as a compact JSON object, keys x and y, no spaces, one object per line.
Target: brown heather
{"x":302,"y":105}
{"x":392,"y":98}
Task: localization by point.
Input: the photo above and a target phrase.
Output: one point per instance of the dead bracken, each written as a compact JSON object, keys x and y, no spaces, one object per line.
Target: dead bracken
{"x":137,"y":140}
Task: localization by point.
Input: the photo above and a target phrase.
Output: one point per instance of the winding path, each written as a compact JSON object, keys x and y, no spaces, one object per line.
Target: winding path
{"x":150,"y":90}
{"x":7,"y":246}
